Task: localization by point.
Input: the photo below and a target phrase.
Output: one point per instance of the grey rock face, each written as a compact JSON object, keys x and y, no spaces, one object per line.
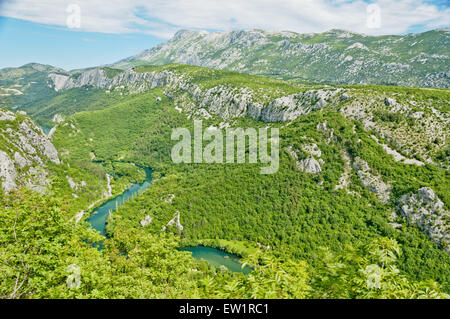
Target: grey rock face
{"x":25,"y":153}
{"x":95,"y":77}
{"x":57,"y":118}
{"x":8,"y":172}
{"x":174,"y":221}
{"x":37,"y":179}
{"x":7,"y":115}
{"x":372,"y":182}
{"x":322,"y":126}
{"x":344,"y":180}
{"x":344,"y":97}
{"x":71,"y":182}
{"x":416,"y":115}
{"x":292,"y":106}
{"x":226,"y":102}
{"x":20,"y":160}
{"x":335,"y":56}
{"x":59,"y":80}
{"x":389,"y":102}
{"x":427,"y":211}
{"x":36,"y":137}
{"x":109,"y":187}
{"x":312,"y":149}
{"x":52,"y":131}
{"x":308,"y":165}
{"x":169,"y":198}
{"x":146,"y":221}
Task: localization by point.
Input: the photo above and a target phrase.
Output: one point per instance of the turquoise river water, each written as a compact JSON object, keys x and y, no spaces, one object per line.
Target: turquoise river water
{"x":99,"y":216}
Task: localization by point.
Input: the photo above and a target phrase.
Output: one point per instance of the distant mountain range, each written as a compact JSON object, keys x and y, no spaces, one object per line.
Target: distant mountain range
{"x":335,"y":57}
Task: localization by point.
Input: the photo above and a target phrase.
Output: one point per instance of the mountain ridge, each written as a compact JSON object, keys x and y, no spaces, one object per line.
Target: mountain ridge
{"x":335,"y":57}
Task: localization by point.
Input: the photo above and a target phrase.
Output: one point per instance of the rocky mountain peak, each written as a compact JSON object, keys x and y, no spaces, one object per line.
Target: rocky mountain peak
{"x":336,"y":56}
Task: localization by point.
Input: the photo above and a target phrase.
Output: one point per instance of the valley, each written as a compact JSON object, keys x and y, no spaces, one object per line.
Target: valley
{"x":362,"y":190}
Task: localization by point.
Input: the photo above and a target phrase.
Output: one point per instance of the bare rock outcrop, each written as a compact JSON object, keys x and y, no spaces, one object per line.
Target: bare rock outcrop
{"x":223,"y":100}
{"x":344,"y":180}
{"x":169,"y":198}
{"x":427,"y":211}
{"x":20,"y":160}
{"x":109,"y":187}
{"x":308,"y":165}
{"x":146,"y":221}
{"x":39,"y":140}
{"x":372,"y":182}
{"x":8,"y":172}
{"x":290,"y":107}
{"x":57,"y":118}
{"x":389,"y":101}
{"x":6,"y":115}
{"x":25,"y":154}
{"x":344,"y":97}
{"x":312,"y":149}
{"x":174,"y":221}
{"x":72,"y":183}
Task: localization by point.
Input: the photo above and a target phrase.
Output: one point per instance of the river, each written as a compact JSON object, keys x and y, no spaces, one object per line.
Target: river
{"x":45,"y":128}
{"x":99,"y":217}
{"x":218,"y":258}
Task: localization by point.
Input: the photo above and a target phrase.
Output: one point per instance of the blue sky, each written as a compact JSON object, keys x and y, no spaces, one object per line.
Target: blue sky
{"x":25,"y":42}
{"x":81,"y":33}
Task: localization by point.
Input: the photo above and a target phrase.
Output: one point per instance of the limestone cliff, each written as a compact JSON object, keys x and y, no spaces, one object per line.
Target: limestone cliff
{"x":25,"y":152}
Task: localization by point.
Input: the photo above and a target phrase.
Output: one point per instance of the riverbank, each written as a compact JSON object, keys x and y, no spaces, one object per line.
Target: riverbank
{"x":99,"y":215}
{"x":222,"y":254}
{"x":239,"y":248}
{"x":218,"y":258}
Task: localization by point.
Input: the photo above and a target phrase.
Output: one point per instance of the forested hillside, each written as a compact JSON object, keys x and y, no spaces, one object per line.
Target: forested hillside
{"x":359,"y":207}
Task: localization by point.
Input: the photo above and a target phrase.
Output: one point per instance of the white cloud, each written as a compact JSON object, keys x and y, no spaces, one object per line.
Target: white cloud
{"x":164,"y":17}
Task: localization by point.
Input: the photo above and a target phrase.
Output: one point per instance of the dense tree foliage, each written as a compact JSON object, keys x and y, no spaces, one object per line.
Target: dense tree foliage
{"x":43,"y":255}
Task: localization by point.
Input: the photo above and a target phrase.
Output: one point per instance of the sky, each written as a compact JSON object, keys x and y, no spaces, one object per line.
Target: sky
{"x":75,"y":34}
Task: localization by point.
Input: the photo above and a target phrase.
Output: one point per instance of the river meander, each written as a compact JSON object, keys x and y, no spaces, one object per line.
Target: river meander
{"x":99,"y":216}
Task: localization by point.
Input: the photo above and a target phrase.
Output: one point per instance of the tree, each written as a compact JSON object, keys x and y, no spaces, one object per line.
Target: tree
{"x":368,"y":271}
